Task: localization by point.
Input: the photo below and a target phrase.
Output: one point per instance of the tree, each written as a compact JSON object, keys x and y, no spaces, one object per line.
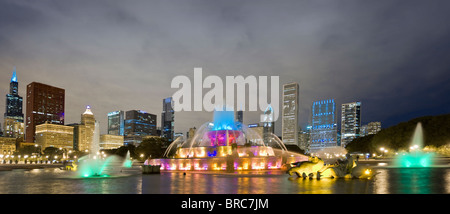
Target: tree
{"x":51,"y":152}
{"x":152,"y":147}
{"x":436,"y":133}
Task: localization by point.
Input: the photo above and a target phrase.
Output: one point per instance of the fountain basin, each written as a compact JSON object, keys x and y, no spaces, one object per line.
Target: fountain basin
{"x":416,"y":159}
{"x":223,"y":163}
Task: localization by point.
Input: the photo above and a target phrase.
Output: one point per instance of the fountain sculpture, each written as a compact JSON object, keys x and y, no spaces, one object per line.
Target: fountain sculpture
{"x":316,"y":168}
{"x":225,"y":144}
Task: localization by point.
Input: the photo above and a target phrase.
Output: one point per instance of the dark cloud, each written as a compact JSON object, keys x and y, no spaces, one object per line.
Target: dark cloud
{"x":391,"y":55}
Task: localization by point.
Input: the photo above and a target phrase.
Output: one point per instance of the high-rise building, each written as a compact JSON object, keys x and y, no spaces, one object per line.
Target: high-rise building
{"x":255,"y":133}
{"x":167,"y":119}
{"x":290,"y":114}
{"x":350,"y":122}
{"x":363,"y":131}
{"x":14,"y":128}
{"x":373,"y":127}
{"x":54,"y":135}
{"x":13,"y":117}
{"x":87,"y":128}
{"x":303,"y":139}
{"x":268,"y":124}
{"x":108,"y":141}
{"x":139,"y":122}
{"x":45,"y":103}
{"x":323,"y":125}
{"x":116,"y":123}
{"x":240,"y":116}
{"x":83,"y":133}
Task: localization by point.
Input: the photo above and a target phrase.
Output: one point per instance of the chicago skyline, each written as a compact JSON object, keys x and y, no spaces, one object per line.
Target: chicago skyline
{"x":103,"y":52}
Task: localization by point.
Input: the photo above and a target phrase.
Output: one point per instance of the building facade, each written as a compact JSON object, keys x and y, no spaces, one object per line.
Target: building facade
{"x":255,"y":133}
{"x":108,"y":141}
{"x":168,"y":120}
{"x":116,"y":123}
{"x":83,"y":132}
{"x":304,"y":140}
{"x":373,"y":127}
{"x":45,"y":103}
{"x":14,"y":128}
{"x":13,"y":117}
{"x":54,"y":135}
{"x":141,"y":123}
{"x":323,"y":132}
{"x":268,"y":125}
{"x":350,"y":122}
{"x":7,"y":145}
{"x":289,"y":124}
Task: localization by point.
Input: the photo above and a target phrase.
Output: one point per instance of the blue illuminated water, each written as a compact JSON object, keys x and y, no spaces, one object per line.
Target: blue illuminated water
{"x":224,"y":120}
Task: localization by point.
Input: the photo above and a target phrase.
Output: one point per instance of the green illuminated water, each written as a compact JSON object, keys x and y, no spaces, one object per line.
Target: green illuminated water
{"x":416,"y":157}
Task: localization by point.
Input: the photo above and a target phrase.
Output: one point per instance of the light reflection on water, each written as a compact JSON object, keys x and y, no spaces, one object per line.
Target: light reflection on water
{"x":387,"y":181}
{"x":433,"y":180}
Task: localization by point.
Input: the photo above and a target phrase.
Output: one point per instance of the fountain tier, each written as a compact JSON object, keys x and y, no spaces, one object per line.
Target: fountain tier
{"x":227,"y":145}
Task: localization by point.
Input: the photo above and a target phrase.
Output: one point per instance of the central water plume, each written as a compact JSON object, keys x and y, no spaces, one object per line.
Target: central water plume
{"x":225,"y":144}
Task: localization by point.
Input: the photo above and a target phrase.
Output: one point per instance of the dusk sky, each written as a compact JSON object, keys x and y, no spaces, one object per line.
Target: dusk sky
{"x":393,"y":56}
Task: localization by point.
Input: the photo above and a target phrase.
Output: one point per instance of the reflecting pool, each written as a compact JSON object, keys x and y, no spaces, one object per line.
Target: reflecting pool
{"x":389,"y":180}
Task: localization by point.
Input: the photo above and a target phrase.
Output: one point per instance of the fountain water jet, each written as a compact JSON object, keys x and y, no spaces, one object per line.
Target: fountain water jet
{"x":127,"y":163}
{"x":94,"y":165}
{"x":415,"y":157}
{"x":225,"y":144}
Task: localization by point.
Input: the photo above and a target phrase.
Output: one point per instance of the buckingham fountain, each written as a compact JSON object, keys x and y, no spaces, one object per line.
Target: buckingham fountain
{"x":226,"y":145}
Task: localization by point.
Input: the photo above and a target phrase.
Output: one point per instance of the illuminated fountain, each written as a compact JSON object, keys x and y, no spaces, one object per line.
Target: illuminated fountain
{"x":415,"y":157}
{"x":96,"y":165}
{"x":127,"y":162}
{"x":225,"y":144}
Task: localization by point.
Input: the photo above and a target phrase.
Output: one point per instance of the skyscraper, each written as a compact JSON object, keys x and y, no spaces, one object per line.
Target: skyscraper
{"x":373,"y":127}
{"x":323,"y":125}
{"x":140,"y":123}
{"x":290,"y":114}
{"x":268,"y":124}
{"x":240,"y":116}
{"x":167,"y":119}
{"x":116,"y":123}
{"x":13,"y":100}
{"x":86,"y":128}
{"x":83,"y":133}
{"x":350,"y":122}
{"x":44,"y":103}
{"x":13,"y":117}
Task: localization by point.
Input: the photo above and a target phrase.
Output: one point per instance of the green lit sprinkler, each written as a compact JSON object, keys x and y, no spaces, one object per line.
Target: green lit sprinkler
{"x":128,"y":163}
{"x":415,"y":157}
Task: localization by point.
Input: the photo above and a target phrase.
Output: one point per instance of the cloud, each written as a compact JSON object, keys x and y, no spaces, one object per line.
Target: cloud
{"x":122,"y":55}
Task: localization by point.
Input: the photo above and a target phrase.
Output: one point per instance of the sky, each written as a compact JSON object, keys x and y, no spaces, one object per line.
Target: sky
{"x":392,"y":55}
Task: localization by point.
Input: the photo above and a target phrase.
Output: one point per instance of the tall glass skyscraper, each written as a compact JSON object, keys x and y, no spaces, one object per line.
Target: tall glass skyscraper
{"x":269,"y":125}
{"x":13,"y":100}
{"x":289,"y":123}
{"x":140,"y":123}
{"x":116,"y":123}
{"x":350,"y":122}
{"x":323,"y":125}
{"x":13,"y":117}
{"x":167,"y":120}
